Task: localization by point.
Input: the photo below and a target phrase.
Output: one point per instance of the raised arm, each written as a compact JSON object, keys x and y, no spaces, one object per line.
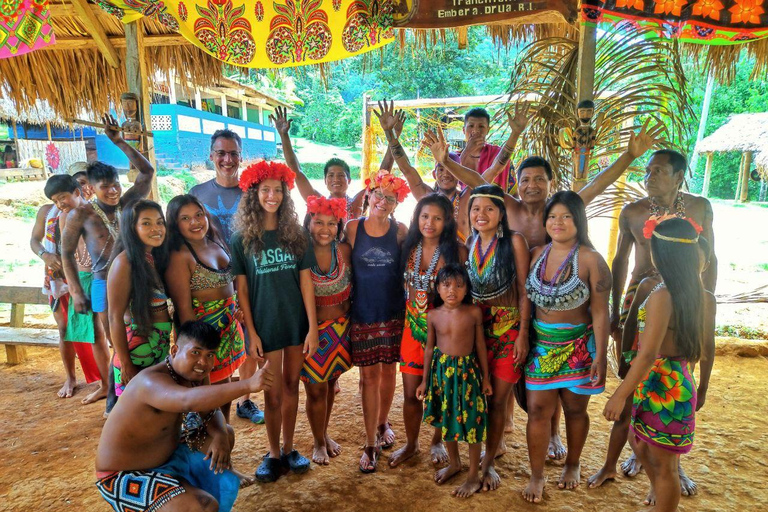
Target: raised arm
{"x":710,"y":275}
{"x":143,"y":183}
{"x":619,"y":269}
{"x":69,"y":239}
{"x":439,"y":148}
{"x":637,"y":146}
{"x":388,"y":160}
{"x":283,"y":127}
{"x":388,"y":119}
{"x":517,"y":120}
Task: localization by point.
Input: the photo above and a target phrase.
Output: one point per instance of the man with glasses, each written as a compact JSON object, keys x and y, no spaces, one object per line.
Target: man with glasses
{"x":221,"y":196}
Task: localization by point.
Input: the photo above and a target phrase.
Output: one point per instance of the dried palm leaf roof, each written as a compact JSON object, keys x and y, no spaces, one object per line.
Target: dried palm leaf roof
{"x":742,"y":132}
{"x":39,"y":113}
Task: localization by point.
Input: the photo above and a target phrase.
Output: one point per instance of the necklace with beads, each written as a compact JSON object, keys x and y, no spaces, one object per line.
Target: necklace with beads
{"x":455,"y":200}
{"x":678,"y":206}
{"x":193,"y":426}
{"x":422,"y":282}
{"x":113,"y":226}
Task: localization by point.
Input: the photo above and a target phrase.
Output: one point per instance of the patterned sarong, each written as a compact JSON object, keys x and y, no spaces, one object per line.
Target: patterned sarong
{"x":145,"y":351}
{"x":414,"y":339}
{"x":333,"y":355}
{"x":664,"y":405}
{"x":561,"y":358}
{"x":149,"y":490}
{"x":629,"y":296}
{"x":501,"y":326}
{"x":378,"y":342}
{"x":454,"y":401}
{"x":231,"y":352}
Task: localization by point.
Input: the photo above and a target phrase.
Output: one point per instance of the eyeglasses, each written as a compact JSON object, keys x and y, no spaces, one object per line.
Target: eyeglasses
{"x":233,"y":154}
{"x":379,"y":195}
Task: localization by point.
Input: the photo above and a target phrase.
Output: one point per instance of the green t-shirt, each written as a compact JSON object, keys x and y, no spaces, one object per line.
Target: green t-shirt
{"x":274,"y":290}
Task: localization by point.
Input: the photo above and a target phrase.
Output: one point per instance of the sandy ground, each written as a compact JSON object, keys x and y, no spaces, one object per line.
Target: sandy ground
{"x":48,"y":451}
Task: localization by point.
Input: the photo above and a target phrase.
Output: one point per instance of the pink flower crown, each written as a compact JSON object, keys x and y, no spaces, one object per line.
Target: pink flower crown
{"x":386,"y":180}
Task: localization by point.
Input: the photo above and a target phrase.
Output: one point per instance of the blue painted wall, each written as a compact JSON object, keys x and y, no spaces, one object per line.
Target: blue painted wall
{"x":39,"y":132}
{"x":180,"y":148}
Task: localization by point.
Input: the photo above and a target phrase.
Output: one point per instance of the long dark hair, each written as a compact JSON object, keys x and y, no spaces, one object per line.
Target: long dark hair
{"x":505,"y":256}
{"x":174,"y":237}
{"x":575,"y":205}
{"x":143,"y":276}
{"x":249,"y":222}
{"x":448,"y":244}
{"x":678,"y":264}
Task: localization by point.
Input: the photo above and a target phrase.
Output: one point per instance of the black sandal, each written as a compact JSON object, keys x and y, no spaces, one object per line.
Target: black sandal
{"x":373,"y":459}
{"x":269,"y":469}
{"x":295,"y":461}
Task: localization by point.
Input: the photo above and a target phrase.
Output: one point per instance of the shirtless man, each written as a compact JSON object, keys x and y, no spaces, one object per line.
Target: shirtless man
{"x":98,"y":223}
{"x":143,"y":444}
{"x":534,"y":177}
{"x":664,"y":177}
{"x":446,"y":184}
{"x":336,"y":173}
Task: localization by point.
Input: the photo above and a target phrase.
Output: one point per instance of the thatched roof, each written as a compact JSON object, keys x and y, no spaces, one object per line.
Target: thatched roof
{"x":74,"y":75}
{"x":742,"y":132}
{"x":40,"y":113}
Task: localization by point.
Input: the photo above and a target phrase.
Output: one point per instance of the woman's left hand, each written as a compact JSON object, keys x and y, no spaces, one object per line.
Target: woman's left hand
{"x":597,"y":372}
{"x":310,"y":343}
{"x":613,"y":408}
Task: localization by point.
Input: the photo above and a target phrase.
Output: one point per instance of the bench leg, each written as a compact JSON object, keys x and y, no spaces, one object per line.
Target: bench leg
{"x":15,"y":354}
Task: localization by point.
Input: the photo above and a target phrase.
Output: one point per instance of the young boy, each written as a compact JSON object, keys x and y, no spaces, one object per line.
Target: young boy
{"x":45,"y":242}
{"x":456,"y":375}
{"x":148,"y":460}
{"x":86,"y":190}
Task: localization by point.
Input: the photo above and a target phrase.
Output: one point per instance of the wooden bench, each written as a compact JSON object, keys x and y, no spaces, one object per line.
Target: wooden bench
{"x":16,"y":336}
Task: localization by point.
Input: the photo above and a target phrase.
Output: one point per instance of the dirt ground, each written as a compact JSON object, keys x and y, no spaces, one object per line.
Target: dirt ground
{"x":49,"y":444}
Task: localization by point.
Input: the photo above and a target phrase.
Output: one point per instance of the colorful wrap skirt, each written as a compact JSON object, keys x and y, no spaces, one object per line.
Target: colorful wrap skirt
{"x":148,"y":490}
{"x":454,"y":401}
{"x":414,"y":339}
{"x":221,"y":315}
{"x":664,"y":405}
{"x":561,"y":358}
{"x":502,"y":326}
{"x":145,"y":351}
{"x":378,"y":342}
{"x":333,"y":352}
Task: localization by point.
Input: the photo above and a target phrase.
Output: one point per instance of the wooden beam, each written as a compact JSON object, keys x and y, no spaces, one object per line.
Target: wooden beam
{"x":15,"y":354}
{"x":747,"y":162}
{"x":585,"y":89}
{"x":707,"y":175}
{"x":22,"y":295}
{"x":94,"y":28}
{"x":60,"y":10}
{"x":84,"y":43}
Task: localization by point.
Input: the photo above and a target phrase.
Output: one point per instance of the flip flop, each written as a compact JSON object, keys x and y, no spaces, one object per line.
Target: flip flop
{"x":295,"y":461}
{"x":386,"y":426}
{"x":373,"y":456}
{"x":269,"y":469}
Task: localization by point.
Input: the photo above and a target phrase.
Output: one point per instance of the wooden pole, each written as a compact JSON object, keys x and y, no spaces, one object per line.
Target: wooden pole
{"x":707,"y":175}
{"x":739,"y":178}
{"x":366,"y":157}
{"x":136,"y":74}
{"x":48,"y":129}
{"x":747,"y":158}
{"x":16,"y":354}
{"x":585,"y":82}
{"x":703,"y":120}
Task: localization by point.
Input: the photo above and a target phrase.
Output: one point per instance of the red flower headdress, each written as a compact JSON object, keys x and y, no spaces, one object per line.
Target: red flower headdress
{"x":384,"y":179}
{"x":264,"y":170}
{"x":335,"y":207}
{"x":650,"y":224}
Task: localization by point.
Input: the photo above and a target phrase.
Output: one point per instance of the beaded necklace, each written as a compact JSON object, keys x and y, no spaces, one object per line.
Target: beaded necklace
{"x":455,"y":200}
{"x":193,"y":426}
{"x":335,"y":286}
{"x":483,"y":272}
{"x":560,"y":293}
{"x":660,"y":211}
{"x":422,"y":282}
{"x":112,"y":227}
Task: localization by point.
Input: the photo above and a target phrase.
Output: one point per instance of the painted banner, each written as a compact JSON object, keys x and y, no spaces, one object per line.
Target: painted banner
{"x":714,"y":22}
{"x":24,"y":27}
{"x":459,"y":13}
{"x":269,"y":34}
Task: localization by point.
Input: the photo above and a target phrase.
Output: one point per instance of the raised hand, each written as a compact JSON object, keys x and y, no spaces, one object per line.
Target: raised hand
{"x":281,"y":121}
{"x":386,"y":115}
{"x":400,"y":116}
{"x":519,"y":117}
{"x":112,"y":129}
{"x":644,"y":140}
{"x":437,"y":144}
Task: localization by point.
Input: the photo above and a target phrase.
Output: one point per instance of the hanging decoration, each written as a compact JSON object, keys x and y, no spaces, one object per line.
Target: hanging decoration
{"x":24,"y":27}
{"x":712,"y":22}
{"x":272,"y":33}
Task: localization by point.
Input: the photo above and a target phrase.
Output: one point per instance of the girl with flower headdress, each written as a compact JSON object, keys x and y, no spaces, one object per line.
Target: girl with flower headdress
{"x":673,"y":322}
{"x":271,"y":259}
{"x":332,"y":279}
{"x":377,"y":308}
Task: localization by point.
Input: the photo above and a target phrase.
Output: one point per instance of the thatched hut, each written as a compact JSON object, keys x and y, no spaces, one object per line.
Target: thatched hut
{"x":747,"y":134}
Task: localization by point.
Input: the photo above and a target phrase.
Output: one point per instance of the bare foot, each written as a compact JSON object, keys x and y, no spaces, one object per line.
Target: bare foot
{"x":336,"y":388}
{"x":601,"y":476}
{"x":491,"y":480}
{"x":320,"y":455}
{"x":68,"y":389}
{"x":334,"y":448}
{"x":468,"y":488}
{"x":446,"y":474}
{"x":651,"y":498}
{"x":631,"y":467}
{"x":509,"y":427}
{"x":403,"y":454}
{"x":97,"y":395}
{"x":687,"y":486}
{"x":245,"y":480}
{"x":556,"y":450}
{"x":386,"y":436}
{"x":438,"y":453}
{"x":501,"y":450}
{"x":535,"y":490}
{"x":570,"y":477}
